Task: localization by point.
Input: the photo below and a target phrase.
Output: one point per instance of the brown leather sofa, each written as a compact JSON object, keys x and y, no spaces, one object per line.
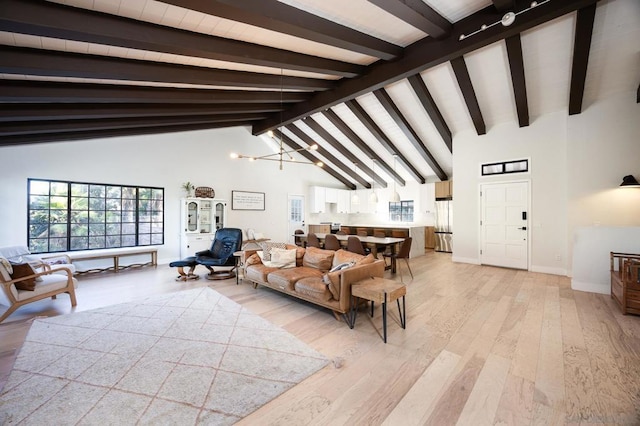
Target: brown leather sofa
{"x":311,"y":280}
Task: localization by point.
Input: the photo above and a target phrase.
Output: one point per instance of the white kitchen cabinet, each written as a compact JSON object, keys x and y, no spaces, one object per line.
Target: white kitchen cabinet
{"x":344,"y":201}
{"x":317,"y":203}
{"x":330,"y":195}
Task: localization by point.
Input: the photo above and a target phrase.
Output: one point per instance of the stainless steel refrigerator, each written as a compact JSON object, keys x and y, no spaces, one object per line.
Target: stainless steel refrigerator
{"x":444,"y":225}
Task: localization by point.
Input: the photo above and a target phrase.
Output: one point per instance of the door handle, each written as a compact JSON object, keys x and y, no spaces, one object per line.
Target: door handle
{"x":524,"y":228}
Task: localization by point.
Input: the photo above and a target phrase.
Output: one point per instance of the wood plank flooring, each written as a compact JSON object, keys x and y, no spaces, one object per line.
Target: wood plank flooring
{"x":483,"y":346}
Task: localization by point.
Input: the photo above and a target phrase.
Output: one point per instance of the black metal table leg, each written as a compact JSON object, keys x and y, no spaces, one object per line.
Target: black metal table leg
{"x":384,"y":317}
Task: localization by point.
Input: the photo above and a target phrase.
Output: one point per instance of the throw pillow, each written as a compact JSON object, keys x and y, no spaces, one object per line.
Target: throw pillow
{"x":266,"y":248}
{"x":5,"y":269}
{"x":346,"y":256}
{"x":280,"y":258}
{"x":21,"y":270}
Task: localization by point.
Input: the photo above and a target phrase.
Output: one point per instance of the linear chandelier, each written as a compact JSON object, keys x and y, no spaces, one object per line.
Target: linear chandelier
{"x":508,"y":19}
{"x":281,"y":155}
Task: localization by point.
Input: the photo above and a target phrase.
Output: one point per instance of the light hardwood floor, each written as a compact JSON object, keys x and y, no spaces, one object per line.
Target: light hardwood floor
{"x":483,"y":345}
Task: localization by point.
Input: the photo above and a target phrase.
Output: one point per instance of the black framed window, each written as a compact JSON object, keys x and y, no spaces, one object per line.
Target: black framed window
{"x":68,"y":216}
{"x":401,"y":211}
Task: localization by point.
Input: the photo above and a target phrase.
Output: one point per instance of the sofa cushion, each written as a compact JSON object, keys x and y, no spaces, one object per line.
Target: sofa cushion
{"x":318,"y":258}
{"x":314,"y":288}
{"x":258,"y":272}
{"x":344,"y":256}
{"x":286,"y":278}
{"x":21,"y":270}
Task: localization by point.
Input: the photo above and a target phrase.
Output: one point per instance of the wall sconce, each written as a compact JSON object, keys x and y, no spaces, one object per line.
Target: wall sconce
{"x":630,"y":181}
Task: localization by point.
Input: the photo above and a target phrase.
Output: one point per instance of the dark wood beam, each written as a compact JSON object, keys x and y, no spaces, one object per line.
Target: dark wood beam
{"x":581,"y":49}
{"x":309,"y":156}
{"x":384,"y":140}
{"x":362,"y":145}
{"x":429,"y":105}
{"x":20,"y":60}
{"x":417,"y":14}
{"x":68,"y":126}
{"x":424,"y":54}
{"x":469,"y":94}
{"x":326,"y":154}
{"x":46,"y":19}
{"x":391,"y":108}
{"x":99,"y":134}
{"x":282,"y":18}
{"x":338,"y":146}
{"x":36,"y":112}
{"x":13,"y":91}
{"x":516,"y":65}
{"x":504,"y":5}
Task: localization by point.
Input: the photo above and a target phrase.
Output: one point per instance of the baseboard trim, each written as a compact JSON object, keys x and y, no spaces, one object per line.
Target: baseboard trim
{"x":472,"y":260}
{"x":590,"y":287}
{"x":548,"y":270}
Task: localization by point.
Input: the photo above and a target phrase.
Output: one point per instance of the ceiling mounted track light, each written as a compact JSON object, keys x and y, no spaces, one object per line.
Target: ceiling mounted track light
{"x":508,"y":19}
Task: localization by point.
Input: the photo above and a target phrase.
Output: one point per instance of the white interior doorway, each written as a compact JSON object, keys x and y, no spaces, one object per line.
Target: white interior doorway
{"x":504,"y":227}
{"x":295,"y":214}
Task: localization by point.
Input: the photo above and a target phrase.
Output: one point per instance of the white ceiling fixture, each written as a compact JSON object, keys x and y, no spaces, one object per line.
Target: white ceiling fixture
{"x":508,"y":19}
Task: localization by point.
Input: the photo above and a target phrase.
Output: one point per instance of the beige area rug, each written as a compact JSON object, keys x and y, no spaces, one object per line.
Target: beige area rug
{"x":193,"y":357}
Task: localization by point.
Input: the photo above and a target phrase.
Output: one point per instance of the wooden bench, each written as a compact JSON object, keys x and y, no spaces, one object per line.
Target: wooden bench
{"x":115,"y":254}
{"x":625,"y":281}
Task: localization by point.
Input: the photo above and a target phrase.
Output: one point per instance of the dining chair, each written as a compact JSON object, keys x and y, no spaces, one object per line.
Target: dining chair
{"x":341,"y":232}
{"x":381,"y":249}
{"x":403,"y":253}
{"x":313,"y":241}
{"x":361,"y":232}
{"x":331,"y":242}
{"x":354,"y":245}
{"x":298,"y":240}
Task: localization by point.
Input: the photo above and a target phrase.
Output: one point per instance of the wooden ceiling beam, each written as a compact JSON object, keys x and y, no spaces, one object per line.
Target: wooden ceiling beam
{"x":47,"y":19}
{"x":69,"y":126}
{"x":504,"y":5}
{"x":99,"y":134}
{"x":466,"y":87}
{"x":362,"y":145}
{"x":516,"y":65}
{"x":282,"y":18}
{"x":338,"y":146}
{"x":309,"y":156}
{"x":417,"y":14}
{"x":27,"y":61}
{"x":393,"y":111}
{"x":14,"y":91}
{"x":581,"y":49}
{"x":429,"y":105}
{"x":298,"y":132}
{"x":37,"y":112}
{"x":383,"y":139}
{"x":425,"y":54}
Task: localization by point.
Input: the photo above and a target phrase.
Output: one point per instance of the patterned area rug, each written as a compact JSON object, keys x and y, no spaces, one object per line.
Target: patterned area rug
{"x":193,"y":357}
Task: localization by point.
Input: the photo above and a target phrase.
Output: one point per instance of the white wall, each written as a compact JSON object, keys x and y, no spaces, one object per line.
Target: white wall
{"x":577,"y":163}
{"x":168,"y":160}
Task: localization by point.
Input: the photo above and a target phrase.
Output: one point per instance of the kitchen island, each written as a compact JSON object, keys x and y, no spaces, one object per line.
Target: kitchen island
{"x":416,"y":232}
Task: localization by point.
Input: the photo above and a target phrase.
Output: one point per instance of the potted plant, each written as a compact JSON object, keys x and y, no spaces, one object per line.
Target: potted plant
{"x":188,"y":187}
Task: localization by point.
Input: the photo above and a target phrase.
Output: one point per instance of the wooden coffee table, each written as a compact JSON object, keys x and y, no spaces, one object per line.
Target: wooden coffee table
{"x":383,"y":291}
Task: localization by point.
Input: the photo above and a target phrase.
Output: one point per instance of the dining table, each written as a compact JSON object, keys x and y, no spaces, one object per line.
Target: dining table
{"x":369,"y":241}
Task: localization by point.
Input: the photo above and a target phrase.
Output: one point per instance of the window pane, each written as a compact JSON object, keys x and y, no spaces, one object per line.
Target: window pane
{"x":96,"y":242}
{"x":113,"y":229}
{"x":114,"y":192}
{"x":96,"y":229}
{"x":157,"y":194}
{"x":60,"y":188}
{"x":97,"y":191}
{"x":58,"y":216}
{"x":144,"y":227}
{"x":128,"y":192}
{"x":58,"y":230}
{"x":39,"y":231}
{"x":113,"y":204}
{"x":38,"y":245}
{"x":79,"y":230}
{"x":96,"y":217}
{"x":79,"y":243}
{"x":79,"y":203}
{"x":144,"y":240}
{"x":79,"y":190}
{"x":157,"y":239}
{"x":128,"y":240}
{"x":96,"y":204}
{"x":38,"y":202}
{"x":38,"y":187}
{"x":144,"y":193}
{"x":57,"y":244}
{"x":129,"y":228}
{"x":58,"y":202}
{"x":113,"y":217}
{"x":79,"y":217}
{"x":113,"y":241}
{"x":39,"y":216}
{"x":128,"y":216}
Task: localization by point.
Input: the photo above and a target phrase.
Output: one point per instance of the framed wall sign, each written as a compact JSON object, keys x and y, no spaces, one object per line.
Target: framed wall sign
{"x":245,"y":200}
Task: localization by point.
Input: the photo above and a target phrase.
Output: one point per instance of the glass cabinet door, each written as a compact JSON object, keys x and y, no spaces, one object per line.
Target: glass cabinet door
{"x":219,"y":215}
{"x":205,"y":217}
{"x":192,"y":216}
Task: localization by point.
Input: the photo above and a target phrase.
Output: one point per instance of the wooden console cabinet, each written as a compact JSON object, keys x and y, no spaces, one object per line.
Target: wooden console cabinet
{"x":625,"y":281}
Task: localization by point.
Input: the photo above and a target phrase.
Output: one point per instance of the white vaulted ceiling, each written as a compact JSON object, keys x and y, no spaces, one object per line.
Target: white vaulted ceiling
{"x":50,"y":90}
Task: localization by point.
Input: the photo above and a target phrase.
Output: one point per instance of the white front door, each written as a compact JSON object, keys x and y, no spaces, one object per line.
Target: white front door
{"x":504,"y":226}
{"x":295,"y":211}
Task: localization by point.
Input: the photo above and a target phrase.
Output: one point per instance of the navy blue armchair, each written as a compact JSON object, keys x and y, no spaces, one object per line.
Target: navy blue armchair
{"x":226,"y":242}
